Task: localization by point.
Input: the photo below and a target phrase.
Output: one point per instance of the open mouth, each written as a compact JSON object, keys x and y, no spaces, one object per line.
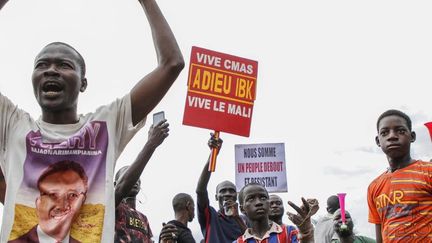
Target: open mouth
{"x":228,"y":201}
{"x":51,"y":88}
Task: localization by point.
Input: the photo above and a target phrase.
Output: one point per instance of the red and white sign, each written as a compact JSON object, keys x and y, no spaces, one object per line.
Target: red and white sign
{"x":221,"y":92}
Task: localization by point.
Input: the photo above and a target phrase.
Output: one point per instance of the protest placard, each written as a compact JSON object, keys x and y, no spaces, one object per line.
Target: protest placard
{"x":263,"y":164}
{"x":221,"y":92}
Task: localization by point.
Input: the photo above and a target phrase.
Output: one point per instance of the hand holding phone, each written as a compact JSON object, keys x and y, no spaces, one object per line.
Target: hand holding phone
{"x":157,"y":117}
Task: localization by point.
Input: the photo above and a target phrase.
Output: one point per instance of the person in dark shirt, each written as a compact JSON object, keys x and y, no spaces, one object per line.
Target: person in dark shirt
{"x":132,"y":225}
{"x":184,"y":210}
{"x":346,"y":235}
{"x":224,"y":225}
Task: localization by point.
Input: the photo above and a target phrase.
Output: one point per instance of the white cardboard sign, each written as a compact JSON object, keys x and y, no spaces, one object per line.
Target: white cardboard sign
{"x":263,"y":164}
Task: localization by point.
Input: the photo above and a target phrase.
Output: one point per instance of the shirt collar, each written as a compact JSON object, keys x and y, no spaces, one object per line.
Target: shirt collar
{"x":275,"y":228}
{"x":44,"y":238}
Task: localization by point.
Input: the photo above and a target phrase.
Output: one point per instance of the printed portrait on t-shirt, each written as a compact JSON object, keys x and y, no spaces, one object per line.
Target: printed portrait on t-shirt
{"x":63,"y":189}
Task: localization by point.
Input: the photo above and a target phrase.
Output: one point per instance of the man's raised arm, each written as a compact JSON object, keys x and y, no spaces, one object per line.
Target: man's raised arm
{"x":2,"y":3}
{"x":127,"y":180}
{"x":151,"y":89}
{"x":201,"y":190}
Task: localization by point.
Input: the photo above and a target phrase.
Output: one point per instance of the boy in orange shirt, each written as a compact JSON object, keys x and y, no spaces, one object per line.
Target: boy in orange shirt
{"x":400,"y":199}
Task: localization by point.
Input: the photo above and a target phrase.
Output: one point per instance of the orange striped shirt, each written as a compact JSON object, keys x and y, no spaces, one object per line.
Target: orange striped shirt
{"x":401,"y":202}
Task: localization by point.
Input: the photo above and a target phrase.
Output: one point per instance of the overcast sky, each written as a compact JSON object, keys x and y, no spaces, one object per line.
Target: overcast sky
{"x":327,"y":70}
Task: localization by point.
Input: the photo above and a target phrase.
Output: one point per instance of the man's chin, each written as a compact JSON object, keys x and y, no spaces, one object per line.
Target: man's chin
{"x":344,"y":233}
{"x":133,"y":194}
{"x":57,"y":226}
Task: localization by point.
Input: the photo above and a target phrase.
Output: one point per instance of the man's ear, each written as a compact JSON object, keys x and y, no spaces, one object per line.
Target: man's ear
{"x":216,"y":198}
{"x":83,"y":84}
{"x":377,"y":141}
{"x":413,"y":136}
{"x":37,"y":201}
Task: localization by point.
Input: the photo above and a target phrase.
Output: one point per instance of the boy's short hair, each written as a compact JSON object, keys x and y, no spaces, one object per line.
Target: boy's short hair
{"x":241,"y":193}
{"x":395,"y":113}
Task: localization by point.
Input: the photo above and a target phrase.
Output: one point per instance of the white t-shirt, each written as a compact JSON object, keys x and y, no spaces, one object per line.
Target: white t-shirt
{"x":324,"y":229}
{"x":29,"y":147}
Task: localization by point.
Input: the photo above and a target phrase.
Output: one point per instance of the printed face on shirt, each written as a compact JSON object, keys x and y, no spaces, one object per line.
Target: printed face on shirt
{"x":57,"y":78}
{"x":61,"y":196}
{"x":394,"y":136}
{"x":256,"y":203}
{"x":276,"y":207}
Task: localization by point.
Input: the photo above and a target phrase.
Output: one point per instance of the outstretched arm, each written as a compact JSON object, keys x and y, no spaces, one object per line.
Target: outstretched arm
{"x":201,"y":190}
{"x":124,"y":184}
{"x":2,"y":3}
{"x":151,"y":89}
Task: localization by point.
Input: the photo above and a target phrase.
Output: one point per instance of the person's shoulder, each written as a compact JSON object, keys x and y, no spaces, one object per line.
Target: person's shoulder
{"x":365,"y":239}
{"x":142,"y":215}
{"x":8,"y":106}
{"x":205,"y":205}
{"x":30,"y":236}
{"x":419,"y":168}
{"x":291,"y":230}
{"x":422,"y":164}
{"x":72,"y":240}
{"x":111,"y":106}
{"x":379,"y":179}
{"x":178,"y":224}
{"x":325,"y":218}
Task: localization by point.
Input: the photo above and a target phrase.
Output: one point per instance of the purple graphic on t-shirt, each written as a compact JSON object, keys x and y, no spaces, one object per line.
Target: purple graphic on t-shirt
{"x":87,"y":147}
{"x":71,"y":174}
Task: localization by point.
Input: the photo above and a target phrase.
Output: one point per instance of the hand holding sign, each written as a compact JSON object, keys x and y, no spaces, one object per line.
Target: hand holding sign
{"x":215,"y":144}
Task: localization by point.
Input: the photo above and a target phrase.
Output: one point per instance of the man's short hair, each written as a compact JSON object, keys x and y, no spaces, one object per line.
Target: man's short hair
{"x":226,"y":181}
{"x":332,"y":203}
{"x":80,"y":60}
{"x":241,"y":193}
{"x":63,"y":166}
{"x":395,"y":113}
{"x":180,"y":201}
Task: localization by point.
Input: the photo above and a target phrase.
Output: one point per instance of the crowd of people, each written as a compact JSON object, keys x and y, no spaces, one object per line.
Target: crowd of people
{"x":58,"y":183}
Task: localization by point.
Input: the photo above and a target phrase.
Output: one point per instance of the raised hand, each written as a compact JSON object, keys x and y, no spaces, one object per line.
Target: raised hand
{"x":303,"y":217}
{"x":215,"y":142}
{"x":2,"y":3}
{"x":158,"y":133}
